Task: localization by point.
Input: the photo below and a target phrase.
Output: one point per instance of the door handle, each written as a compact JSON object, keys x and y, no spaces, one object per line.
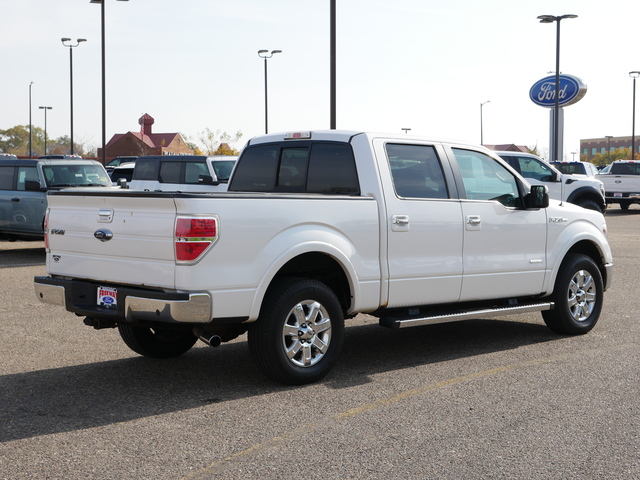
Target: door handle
{"x":15,"y":199}
{"x":400,"y":219}
{"x":474,"y":220}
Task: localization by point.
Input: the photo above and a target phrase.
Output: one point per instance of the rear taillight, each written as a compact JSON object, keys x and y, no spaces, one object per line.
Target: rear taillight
{"x":45,"y":225}
{"x":194,"y":236}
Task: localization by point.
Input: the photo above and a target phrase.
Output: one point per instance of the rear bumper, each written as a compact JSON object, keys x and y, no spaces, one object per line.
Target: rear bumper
{"x":134,"y":304}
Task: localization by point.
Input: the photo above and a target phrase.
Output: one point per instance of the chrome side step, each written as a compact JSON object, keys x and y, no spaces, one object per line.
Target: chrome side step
{"x":480,"y":313}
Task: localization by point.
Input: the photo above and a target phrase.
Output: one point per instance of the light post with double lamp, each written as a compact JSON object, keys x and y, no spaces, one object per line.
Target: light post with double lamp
{"x":71,"y":47}
{"x":556,"y":114}
{"x":608,"y":137}
{"x":45,"y":126}
{"x":104,"y":94}
{"x":30,"y":136}
{"x":633,"y":75}
{"x":481,"y":136}
{"x":266,"y":54}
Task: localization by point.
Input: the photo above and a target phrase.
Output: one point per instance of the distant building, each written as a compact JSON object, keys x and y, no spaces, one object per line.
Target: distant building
{"x":145,"y":142}
{"x":508,"y":147}
{"x":591,"y":146}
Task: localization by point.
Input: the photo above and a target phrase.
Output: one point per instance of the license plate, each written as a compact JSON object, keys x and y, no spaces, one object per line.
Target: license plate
{"x":107,"y":296}
{"x":617,"y":195}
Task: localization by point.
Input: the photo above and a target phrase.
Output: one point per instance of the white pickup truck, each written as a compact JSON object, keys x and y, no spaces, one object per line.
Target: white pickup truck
{"x":622,"y":183}
{"x":315,"y":228}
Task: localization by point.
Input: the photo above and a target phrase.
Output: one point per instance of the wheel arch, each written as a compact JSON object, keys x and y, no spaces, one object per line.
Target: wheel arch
{"x":587,"y":193}
{"x":590,"y":249}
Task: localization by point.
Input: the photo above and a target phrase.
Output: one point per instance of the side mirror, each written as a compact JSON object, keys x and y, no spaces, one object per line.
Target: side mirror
{"x":206,"y":180}
{"x":33,"y":186}
{"x":122,"y":183}
{"x":538,"y":197}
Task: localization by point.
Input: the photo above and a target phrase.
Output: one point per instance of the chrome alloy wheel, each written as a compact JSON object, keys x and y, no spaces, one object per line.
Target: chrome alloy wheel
{"x":306,"y":333}
{"x":581,"y":296}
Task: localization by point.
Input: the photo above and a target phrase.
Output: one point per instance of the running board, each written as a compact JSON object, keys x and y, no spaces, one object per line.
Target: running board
{"x":481,"y":313}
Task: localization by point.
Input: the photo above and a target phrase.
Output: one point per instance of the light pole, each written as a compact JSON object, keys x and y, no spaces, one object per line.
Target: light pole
{"x":406,"y":130}
{"x":608,"y":137}
{"x":481,"y":137}
{"x":30,"y":136}
{"x":266,"y":54}
{"x":104,"y":94}
{"x":633,"y":75}
{"x":45,"y":126}
{"x":556,"y":113}
{"x":573,"y":156}
{"x":71,"y":47}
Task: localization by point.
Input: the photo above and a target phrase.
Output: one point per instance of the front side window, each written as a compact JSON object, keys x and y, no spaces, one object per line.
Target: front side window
{"x":533,"y":168}
{"x":24,"y":174}
{"x":485,"y":178}
{"x":193,"y":170}
{"x":416,"y":171}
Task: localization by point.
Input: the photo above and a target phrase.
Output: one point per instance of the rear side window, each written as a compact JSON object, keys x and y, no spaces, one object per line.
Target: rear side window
{"x":6,"y":178}
{"x":315,"y":168}
{"x":170,"y":172}
{"x":146,"y":169}
{"x":416,"y":171}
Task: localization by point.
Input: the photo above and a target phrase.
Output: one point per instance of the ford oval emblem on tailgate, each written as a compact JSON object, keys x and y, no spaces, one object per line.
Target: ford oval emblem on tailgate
{"x":103,"y":235}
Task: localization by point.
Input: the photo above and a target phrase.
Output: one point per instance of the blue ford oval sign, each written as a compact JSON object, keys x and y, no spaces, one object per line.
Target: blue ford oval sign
{"x":543,"y":92}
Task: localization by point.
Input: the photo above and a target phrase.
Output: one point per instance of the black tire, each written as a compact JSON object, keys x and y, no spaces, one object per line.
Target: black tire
{"x":157,"y":342}
{"x":577,"y":295}
{"x":590,"y":205}
{"x":297,"y":349}
{"x":625,"y":205}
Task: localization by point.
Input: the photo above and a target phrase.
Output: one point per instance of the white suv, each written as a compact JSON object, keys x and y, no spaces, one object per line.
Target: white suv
{"x":581,"y":190}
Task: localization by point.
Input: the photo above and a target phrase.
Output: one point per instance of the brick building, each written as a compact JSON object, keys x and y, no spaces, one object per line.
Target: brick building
{"x":145,"y":142}
{"x":591,"y":146}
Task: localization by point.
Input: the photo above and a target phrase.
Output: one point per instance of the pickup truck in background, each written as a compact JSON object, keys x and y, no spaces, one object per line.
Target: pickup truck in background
{"x":185,"y":173}
{"x":315,"y":228}
{"x":622,"y":183}
{"x":579,"y":189}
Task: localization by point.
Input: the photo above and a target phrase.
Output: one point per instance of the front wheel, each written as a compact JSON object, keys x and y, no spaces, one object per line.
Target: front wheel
{"x":577,"y":295}
{"x":157,"y":342}
{"x":589,"y":205}
{"x":299,"y":333}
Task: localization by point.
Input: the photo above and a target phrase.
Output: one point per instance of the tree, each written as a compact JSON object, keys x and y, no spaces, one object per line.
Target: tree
{"x":218,"y":143}
{"x":16,"y":140}
{"x":617,"y":154}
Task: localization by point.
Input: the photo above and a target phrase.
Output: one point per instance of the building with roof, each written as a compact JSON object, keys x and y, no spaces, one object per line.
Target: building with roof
{"x":507,"y":147}
{"x":145,"y":142}
{"x":590,"y":147}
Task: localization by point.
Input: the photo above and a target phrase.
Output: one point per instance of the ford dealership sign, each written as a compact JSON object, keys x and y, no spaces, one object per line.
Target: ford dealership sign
{"x":543,"y":92}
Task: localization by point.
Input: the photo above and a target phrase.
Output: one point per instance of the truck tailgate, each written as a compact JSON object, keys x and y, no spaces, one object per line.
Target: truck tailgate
{"x":141,"y":245}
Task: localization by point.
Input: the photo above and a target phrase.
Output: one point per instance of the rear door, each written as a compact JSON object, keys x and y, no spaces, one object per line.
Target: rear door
{"x":424,"y":224}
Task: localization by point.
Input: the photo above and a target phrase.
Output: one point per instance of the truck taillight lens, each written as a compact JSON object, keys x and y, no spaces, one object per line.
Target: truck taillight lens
{"x":45,"y":224}
{"x":194,"y":236}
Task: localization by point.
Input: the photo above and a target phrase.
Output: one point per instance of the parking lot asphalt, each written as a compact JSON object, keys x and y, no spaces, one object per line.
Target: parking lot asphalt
{"x":480,"y":399}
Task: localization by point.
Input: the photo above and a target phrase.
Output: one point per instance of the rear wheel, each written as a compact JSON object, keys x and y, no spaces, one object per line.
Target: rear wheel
{"x":577,"y":296}
{"x":299,"y":333}
{"x":157,"y":342}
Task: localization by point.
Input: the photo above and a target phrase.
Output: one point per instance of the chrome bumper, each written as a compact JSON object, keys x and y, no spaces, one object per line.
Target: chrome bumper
{"x":190,"y":308}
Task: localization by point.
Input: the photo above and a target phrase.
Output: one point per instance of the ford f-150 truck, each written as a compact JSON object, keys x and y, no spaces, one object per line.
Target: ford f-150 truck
{"x":315,"y":228}
{"x":622,"y":183}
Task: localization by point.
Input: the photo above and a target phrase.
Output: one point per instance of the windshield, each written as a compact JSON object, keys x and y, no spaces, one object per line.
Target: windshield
{"x":75,"y":175}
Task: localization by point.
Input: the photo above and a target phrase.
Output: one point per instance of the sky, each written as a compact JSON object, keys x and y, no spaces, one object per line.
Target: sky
{"x":426,"y":65}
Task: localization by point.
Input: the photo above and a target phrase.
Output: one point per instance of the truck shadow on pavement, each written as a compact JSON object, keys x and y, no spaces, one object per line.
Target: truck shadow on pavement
{"x":97,"y":394}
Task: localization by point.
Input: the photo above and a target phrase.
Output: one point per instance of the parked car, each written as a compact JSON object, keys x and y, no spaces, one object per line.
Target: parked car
{"x":116,"y":162}
{"x":60,"y":157}
{"x":185,"y":173}
{"x":7,"y":156}
{"x":24,"y":185}
{"x":579,"y":190}
{"x":577,"y":168}
{"x":123,"y":172}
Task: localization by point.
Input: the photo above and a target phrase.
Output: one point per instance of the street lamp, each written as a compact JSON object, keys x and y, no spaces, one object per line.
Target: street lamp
{"x":71,"y":47}
{"x":633,"y":75}
{"x":481,"y":138}
{"x":608,"y":137}
{"x":45,"y":126}
{"x":556,"y":113}
{"x":266,"y":54}
{"x":30,"y":137}
{"x":406,"y":130}
{"x":104,"y":95}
